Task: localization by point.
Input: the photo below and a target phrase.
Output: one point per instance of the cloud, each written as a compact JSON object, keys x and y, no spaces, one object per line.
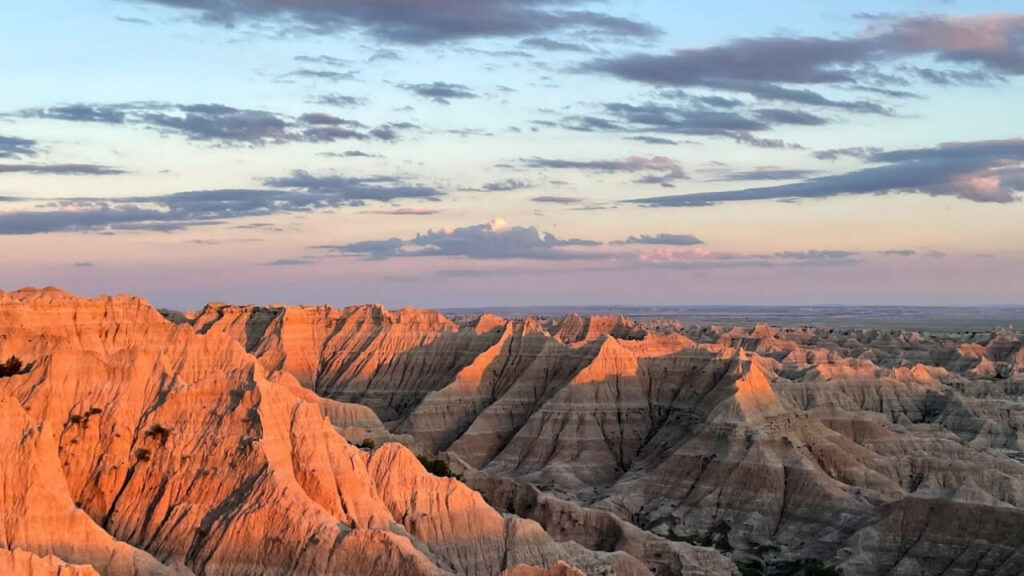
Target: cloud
{"x":403,"y":212}
{"x":79,"y":113}
{"x":324,"y":60}
{"x":659,"y":169}
{"x":553,"y":45}
{"x":225,"y":125}
{"x":216,"y":122}
{"x":981,"y":171}
{"x":655,"y":140}
{"x":993,"y":43}
{"x":340,"y":100}
{"x":885,"y":59}
{"x":662,"y":239}
{"x":353,"y":191}
{"x":691,"y":119}
{"x":82,"y":265}
{"x":321,"y":74}
{"x":441,"y":92}
{"x":784,"y":116}
{"x":370,"y":249}
{"x":14,"y":147}
{"x":898,"y":253}
{"x":496,"y":240}
{"x":289,"y":262}
{"x":506,"y":185}
{"x":681,"y":120}
{"x":860,"y":152}
{"x":62,"y":169}
{"x":414,"y":21}
{"x":348,"y":154}
{"x":557,"y":199}
{"x":703,"y":259}
{"x":767,"y":173}
{"x":384,"y":54}
{"x":298,"y":192}
{"x":817,"y":255}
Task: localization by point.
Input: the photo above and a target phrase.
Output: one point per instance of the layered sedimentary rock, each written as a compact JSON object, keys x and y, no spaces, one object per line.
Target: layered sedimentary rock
{"x":868,"y":450}
{"x":140,"y":446}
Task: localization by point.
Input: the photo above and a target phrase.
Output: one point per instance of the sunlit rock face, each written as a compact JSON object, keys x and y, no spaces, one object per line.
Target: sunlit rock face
{"x":868,"y":450}
{"x":135,"y":444}
{"x":218,"y":442}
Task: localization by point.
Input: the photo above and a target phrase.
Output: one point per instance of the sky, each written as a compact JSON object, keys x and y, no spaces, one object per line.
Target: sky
{"x":456,"y":153}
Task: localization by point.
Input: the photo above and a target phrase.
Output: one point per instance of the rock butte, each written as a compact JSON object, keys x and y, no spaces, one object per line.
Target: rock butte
{"x":218,"y":442}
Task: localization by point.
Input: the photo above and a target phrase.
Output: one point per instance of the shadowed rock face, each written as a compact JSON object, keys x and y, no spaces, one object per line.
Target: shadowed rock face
{"x":868,"y":450}
{"x":134,"y":445}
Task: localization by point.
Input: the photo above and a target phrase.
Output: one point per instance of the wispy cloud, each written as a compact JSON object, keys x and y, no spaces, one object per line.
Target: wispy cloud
{"x":654,"y":170}
{"x":441,"y":92}
{"x":224,"y":125}
{"x":983,"y":171}
{"x":298,"y":192}
{"x":13,"y":147}
{"x":662,"y":240}
{"x":416,"y":22}
{"x":63,"y":169}
{"x":990,"y":43}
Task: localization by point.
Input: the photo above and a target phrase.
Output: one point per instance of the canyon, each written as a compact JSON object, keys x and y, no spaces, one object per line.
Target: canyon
{"x":286,"y":440}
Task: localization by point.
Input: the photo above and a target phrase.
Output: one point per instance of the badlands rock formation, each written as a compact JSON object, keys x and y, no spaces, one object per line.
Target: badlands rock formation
{"x":867,"y":451}
{"x":136,"y":446}
{"x":218,"y":442}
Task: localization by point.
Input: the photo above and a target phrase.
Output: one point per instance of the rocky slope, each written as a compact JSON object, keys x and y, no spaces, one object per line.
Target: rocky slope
{"x":139,"y":446}
{"x":875,"y":452}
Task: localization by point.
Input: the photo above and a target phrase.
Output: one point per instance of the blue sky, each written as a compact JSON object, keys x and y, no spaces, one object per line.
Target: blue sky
{"x":455,"y":152}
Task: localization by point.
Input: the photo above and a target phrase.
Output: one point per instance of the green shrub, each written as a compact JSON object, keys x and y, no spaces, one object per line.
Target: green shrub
{"x":159,"y":432}
{"x":368,"y":444}
{"x":11,"y":367}
{"x":437,"y":467}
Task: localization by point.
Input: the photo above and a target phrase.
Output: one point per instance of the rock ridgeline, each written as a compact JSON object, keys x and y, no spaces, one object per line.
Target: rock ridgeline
{"x":866,"y":451}
{"x":137,"y":446}
{"x":218,"y":442}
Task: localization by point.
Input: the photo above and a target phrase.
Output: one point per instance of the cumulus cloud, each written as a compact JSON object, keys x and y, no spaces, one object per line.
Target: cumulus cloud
{"x":417,"y":22}
{"x":496,"y":240}
{"x":654,"y":170}
{"x":981,"y":171}
{"x":298,"y":192}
